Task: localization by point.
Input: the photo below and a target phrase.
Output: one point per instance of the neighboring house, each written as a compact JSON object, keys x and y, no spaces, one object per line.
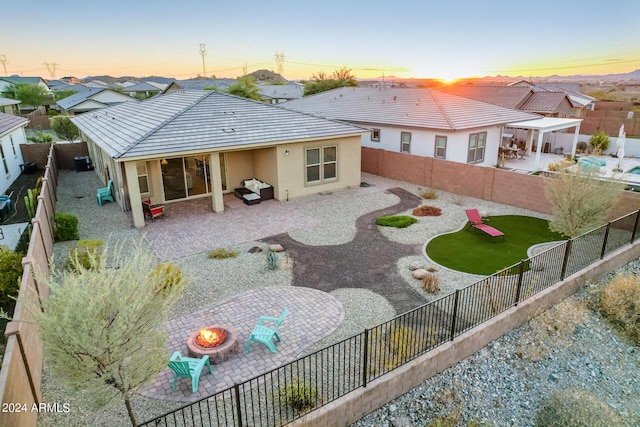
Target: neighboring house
{"x":275,"y":94}
{"x":92,"y":99}
{"x":5,"y":82}
{"x":192,"y":144}
{"x":12,"y":134}
{"x":527,"y":97}
{"x":9,"y":106}
{"x":424,"y":122}
{"x":144,"y":89}
{"x":200,"y":84}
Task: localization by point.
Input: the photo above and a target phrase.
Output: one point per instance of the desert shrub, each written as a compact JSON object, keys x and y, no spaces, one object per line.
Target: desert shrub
{"x":431,"y":283}
{"x":429,"y":194}
{"x":576,"y":408}
{"x":432,"y":269}
{"x":298,"y":395}
{"x":65,"y":227}
{"x":620,"y":303}
{"x":85,"y":255}
{"x":167,"y":276}
{"x":427,"y":211}
{"x":581,"y":146}
{"x":392,"y":345}
{"x":10,"y":275}
{"x":599,"y":141}
{"x":222,"y":254}
{"x":272,"y":260}
{"x":398,"y":221}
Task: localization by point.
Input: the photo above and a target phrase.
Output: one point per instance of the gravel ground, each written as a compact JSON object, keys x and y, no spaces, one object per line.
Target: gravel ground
{"x":504,"y":384}
{"x":214,"y":280}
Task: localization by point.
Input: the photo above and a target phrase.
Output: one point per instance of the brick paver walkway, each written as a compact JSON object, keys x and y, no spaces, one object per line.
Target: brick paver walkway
{"x":312,"y":315}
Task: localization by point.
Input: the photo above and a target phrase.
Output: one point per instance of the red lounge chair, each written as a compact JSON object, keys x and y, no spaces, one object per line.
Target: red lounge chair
{"x":476,"y":221}
{"x":152,"y":211}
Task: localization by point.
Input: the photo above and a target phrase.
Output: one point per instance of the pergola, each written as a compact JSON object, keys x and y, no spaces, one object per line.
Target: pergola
{"x":544,"y":125}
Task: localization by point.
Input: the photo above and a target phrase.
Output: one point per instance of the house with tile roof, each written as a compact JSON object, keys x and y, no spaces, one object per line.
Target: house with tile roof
{"x":91,"y":98}
{"x":12,"y":134}
{"x":5,"y":82}
{"x":192,"y":144}
{"x":275,"y":94}
{"x":9,"y":106}
{"x":145,"y":90}
{"x":420,"y":121}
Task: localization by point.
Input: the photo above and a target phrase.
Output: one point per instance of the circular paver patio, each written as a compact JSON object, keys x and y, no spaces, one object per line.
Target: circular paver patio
{"x":312,"y":315}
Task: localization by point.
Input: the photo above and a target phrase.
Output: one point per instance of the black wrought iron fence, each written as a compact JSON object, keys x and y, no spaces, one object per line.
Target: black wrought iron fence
{"x":289,"y":391}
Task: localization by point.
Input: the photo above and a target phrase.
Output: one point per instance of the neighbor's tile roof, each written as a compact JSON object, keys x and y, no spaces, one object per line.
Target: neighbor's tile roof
{"x":419,"y":108}
{"x":286,"y":91}
{"x":505,"y":96}
{"x":90,"y":92}
{"x":543,"y":102}
{"x":145,"y":87}
{"x":9,"y":122}
{"x":199,"y":121}
{"x":9,"y":101}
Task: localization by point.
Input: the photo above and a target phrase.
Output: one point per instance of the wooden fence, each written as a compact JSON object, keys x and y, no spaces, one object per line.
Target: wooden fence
{"x":21,"y":372}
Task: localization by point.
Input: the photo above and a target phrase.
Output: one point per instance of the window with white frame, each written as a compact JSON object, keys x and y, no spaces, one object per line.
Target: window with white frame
{"x":441,"y":147}
{"x":375,"y":135}
{"x":4,"y":159}
{"x":321,"y":164}
{"x":13,"y":146}
{"x":405,"y":142}
{"x":476,"y":147}
{"x":143,"y":177}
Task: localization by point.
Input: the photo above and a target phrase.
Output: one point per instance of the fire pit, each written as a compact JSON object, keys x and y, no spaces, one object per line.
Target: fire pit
{"x":219,"y":342}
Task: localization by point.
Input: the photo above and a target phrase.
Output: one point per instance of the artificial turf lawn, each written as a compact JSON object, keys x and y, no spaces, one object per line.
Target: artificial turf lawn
{"x":475,"y":252}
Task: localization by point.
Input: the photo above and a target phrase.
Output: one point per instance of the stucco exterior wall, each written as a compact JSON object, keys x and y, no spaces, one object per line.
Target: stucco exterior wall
{"x":13,"y":157}
{"x":423,"y":142}
{"x":263,"y":165}
{"x":239,"y":167}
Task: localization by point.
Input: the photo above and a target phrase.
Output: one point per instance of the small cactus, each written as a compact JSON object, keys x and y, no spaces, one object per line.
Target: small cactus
{"x":272,"y":260}
{"x":30,"y":203}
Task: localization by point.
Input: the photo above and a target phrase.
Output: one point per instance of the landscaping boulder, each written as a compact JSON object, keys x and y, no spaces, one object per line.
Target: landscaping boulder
{"x":276,"y":248}
{"x":420,"y":273}
{"x":415,"y":265}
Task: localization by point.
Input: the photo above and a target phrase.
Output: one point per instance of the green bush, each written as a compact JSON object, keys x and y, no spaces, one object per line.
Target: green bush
{"x":10,"y":275}
{"x":169,"y":276}
{"x":398,"y":221}
{"x":576,"y":408}
{"x":620,"y":303}
{"x":222,"y":254}
{"x":599,"y":141}
{"x":85,"y":255}
{"x":66,"y":227}
{"x":581,"y":146}
{"x":298,"y":395}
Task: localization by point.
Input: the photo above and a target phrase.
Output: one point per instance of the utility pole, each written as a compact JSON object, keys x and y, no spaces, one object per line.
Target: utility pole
{"x":51,"y":68}
{"x":3,"y":59}
{"x":203,"y":52}
{"x":279,"y":56}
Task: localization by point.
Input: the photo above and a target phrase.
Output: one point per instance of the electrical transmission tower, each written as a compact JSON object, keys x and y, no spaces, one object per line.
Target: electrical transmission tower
{"x":3,"y":59}
{"x":203,"y":52}
{"x":280,"y":62}
{"x":51,"y":68}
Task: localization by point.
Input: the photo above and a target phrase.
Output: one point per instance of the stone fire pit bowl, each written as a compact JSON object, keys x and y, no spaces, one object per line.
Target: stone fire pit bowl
{"x":216,"y":354}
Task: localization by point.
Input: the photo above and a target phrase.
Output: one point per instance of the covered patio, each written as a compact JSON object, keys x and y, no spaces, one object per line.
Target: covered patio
{"x":543,"y":126}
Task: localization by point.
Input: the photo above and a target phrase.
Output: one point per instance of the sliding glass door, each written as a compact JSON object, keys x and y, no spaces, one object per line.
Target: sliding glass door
{"x":189,"y":176}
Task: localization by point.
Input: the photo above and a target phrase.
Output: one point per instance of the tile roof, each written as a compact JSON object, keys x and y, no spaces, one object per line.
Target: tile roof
{"x":80,"y":97}
{"x":200,"y":84}
{"x":543,"y":102}
{"x":505,"y":96}
{"x":286,"y":91}
{"x":146,"y":87}
{"x":9,"y":101}
{"x":9,"y":122}
{"x":199,"y":121}
{"x":419,"y":108}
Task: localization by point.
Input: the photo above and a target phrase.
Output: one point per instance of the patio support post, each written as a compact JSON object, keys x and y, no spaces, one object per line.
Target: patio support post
{"x":576,"y":133}
{"x":133,"y":188}
{"x":529,"y":141}
{"x":216,"y":182}
{"x":536,"y":165}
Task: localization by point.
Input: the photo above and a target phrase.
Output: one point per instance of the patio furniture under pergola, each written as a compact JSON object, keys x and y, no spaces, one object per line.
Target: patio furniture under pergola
{"x":544,"y":125}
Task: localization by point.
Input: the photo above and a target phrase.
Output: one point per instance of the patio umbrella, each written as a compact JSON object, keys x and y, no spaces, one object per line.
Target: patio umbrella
{"x":620,"y":143}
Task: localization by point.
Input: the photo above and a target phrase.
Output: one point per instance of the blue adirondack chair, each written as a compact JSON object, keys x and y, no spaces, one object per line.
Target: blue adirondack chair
{"x":188,"y":367}
{"x":105,"y":193}
{"x":264,"y":334}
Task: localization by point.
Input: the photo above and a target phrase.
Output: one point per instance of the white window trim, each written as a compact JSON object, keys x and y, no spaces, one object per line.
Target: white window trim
{"x":435,"y":150}
{"x":321,"y":163}
{"x":402,"y":143}
{"x":373,"y":131}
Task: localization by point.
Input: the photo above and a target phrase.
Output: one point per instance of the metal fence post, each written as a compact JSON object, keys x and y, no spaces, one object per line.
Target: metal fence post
{"x":236,"y":389}
{"x":565,"y":261}
{"x":635,"y":227}
{"x":604,"y":243}
{"x":520,"y":275}
{"x":455,"y":314}
{"x":365,"y":361}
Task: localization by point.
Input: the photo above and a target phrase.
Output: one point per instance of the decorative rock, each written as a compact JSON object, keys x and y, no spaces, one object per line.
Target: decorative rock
{"x":254,"y":250}
{"x":483,"y":214}
{"x":420,"y":273}
{"x":415,"y":265}
{"x":276,"y":248}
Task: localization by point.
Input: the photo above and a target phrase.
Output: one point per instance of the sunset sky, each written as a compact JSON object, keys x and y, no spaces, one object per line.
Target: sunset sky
{"x":446,"y":39}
